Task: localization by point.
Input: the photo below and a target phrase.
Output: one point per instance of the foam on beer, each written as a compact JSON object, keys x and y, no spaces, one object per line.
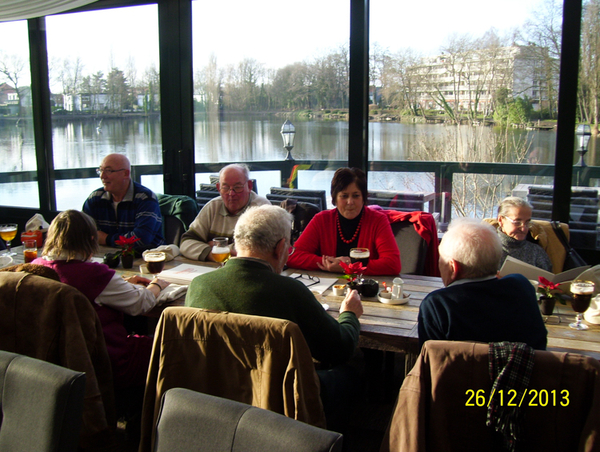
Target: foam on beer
{"x":154,"y":257}
{"x":582,"y":288}
{"x":363,"y":254}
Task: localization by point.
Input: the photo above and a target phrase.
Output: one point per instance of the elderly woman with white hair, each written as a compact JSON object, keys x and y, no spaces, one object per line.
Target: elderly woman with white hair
{"x":476,"y":305}
{"x":514,"y":220}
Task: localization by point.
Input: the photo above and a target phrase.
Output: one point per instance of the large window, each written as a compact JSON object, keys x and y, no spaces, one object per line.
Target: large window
{"x":265,"y":59}
{"x":464,"y":85}
{"x":105,"y":87}
{"x":17,"y":147}
{"x":462,"y":99}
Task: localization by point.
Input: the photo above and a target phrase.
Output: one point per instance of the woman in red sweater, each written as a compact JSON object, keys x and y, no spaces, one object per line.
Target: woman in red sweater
{"x":331,"y":234}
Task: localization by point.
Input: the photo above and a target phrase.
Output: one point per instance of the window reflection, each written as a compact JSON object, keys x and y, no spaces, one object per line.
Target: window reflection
{"x":16,"y":126}
{"x":463,"y":86}
{"x":105,"y":89}
{"x":270,"y":60}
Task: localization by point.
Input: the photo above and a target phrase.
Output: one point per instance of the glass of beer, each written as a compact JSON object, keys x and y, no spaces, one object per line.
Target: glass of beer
{"x":220,"y":250}
{"x":582,"y":292}
{"x":30,"y":250}
{"x":155,"y":262}
{"x":360,"y":255}
{"x":8,"y":232}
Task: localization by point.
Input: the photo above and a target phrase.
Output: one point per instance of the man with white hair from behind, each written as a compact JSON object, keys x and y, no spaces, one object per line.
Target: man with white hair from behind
{"x":251,"y":284}
{"x":476,"y":305}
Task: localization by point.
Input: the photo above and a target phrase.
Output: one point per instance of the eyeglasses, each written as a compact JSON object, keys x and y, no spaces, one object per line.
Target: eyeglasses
{"x":291,"y":250}
{"x":99,"y":171}
{"x":308,"y":280}
{"x":518,"y":223}
{"x":236,"y":188}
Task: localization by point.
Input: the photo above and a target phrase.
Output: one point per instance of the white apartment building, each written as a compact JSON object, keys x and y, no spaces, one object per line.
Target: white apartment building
{"x":468,"y":80}
{"x":89,"y":102}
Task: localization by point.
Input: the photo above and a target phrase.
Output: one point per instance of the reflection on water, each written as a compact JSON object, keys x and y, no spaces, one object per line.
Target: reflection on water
{"x":83,"y":143}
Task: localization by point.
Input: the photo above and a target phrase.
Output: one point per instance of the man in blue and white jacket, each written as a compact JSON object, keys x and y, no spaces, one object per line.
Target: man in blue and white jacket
{"x":123,"y":207}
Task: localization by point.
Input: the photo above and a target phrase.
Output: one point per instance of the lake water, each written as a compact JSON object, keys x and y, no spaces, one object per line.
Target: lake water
{"x":83,"y":143}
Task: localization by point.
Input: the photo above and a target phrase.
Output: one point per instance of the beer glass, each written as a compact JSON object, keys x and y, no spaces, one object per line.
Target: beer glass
{"x":155,"y":262}
{"x":220,"y":250}
{"x":361,"y":255}
{"x":8,"y":232}
{"x":582,"y":292}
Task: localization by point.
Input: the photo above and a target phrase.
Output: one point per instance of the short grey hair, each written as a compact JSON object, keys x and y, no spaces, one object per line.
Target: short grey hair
{"x":474,"y":244}
{"x":260,"y":228}
{"x":238,"y":166}
{"x":512,"y":202}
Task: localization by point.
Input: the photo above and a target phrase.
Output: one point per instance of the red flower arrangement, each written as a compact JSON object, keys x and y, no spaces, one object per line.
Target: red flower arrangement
{"x":126,"y":244}
{"x":352,"y":270}
{"x":550,"y":290}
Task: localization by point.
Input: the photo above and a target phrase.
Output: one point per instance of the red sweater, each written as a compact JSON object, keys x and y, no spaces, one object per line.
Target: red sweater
{"x":320,"y":238}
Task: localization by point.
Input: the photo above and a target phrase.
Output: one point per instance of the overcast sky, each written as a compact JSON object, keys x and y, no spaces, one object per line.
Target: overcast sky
{"x":276,"y":34}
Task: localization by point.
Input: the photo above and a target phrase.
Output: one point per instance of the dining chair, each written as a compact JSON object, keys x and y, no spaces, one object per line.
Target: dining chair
{"x":42,"y":405}
{"x":260,"y":361}
{"x":413,"y":247}
{"x":443,"y":402}
{"x":317,"y":197}
{"x":190,"y":421}
{"x":178,"y":212}
{"x":417,"y":239}
{"x":54,"y":322}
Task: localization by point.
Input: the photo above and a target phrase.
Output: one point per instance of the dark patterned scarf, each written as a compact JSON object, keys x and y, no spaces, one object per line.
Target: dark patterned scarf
{"x":511,"y":364}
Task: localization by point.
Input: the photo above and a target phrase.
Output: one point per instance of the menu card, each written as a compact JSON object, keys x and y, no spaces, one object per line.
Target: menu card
{"x":184,"y":273}
{"x":512,"y":265}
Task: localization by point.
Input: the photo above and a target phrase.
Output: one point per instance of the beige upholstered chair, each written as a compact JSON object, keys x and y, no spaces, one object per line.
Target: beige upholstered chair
{"x":541,"y":231}
{"x":437,"y":408}
{"x":260,"y":361}
{"x":54,"y":322}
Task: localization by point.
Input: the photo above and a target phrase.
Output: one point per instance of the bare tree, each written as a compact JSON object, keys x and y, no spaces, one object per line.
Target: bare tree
{"x":400,"y":83}
{"x":11,"y":68}
{"x":543,"y":31}
{"x":589,"y":71}
{"x":476,"y":195}
{"x":70,"y":74}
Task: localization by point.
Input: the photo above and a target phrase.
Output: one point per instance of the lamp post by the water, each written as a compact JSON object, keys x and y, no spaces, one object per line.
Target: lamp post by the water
{"x":583,"y":132}
{"x":288,"y":133}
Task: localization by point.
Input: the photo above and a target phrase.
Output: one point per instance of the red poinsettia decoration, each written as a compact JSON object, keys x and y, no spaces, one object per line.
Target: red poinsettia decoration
{"x":126,"y":244}
{"x":352,"y":270}
{"x":550,"y":289}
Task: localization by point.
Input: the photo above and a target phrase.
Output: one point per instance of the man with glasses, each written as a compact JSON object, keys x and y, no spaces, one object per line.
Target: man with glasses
{"x":251,"y":284}
{"x":123,"y":207}
{"x":220,"y":215}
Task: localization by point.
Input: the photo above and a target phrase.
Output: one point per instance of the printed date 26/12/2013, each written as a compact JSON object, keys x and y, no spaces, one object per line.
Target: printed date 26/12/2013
{"x":530,"y":397}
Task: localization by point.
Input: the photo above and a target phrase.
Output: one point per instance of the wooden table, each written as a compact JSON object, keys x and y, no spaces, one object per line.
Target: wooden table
{"x":394,"y":328}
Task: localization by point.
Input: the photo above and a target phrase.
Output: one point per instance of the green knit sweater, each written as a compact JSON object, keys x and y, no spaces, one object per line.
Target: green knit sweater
{"x":249,"y":287}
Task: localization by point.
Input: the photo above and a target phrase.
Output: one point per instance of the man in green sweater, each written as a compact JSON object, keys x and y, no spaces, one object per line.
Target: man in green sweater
{"x":251,"y":284}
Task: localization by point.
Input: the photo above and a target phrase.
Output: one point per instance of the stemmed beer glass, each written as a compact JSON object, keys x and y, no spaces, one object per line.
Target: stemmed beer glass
{"x":582,"y":296}
{"x":155,"y":262}
{"x":361,"y":255}
{"x":220,"y":251}
{"x":8,"y":232}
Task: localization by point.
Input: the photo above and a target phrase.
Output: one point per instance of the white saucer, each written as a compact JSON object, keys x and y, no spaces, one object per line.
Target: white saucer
{"x":403,"y":300}
{"x":5,"y":261}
